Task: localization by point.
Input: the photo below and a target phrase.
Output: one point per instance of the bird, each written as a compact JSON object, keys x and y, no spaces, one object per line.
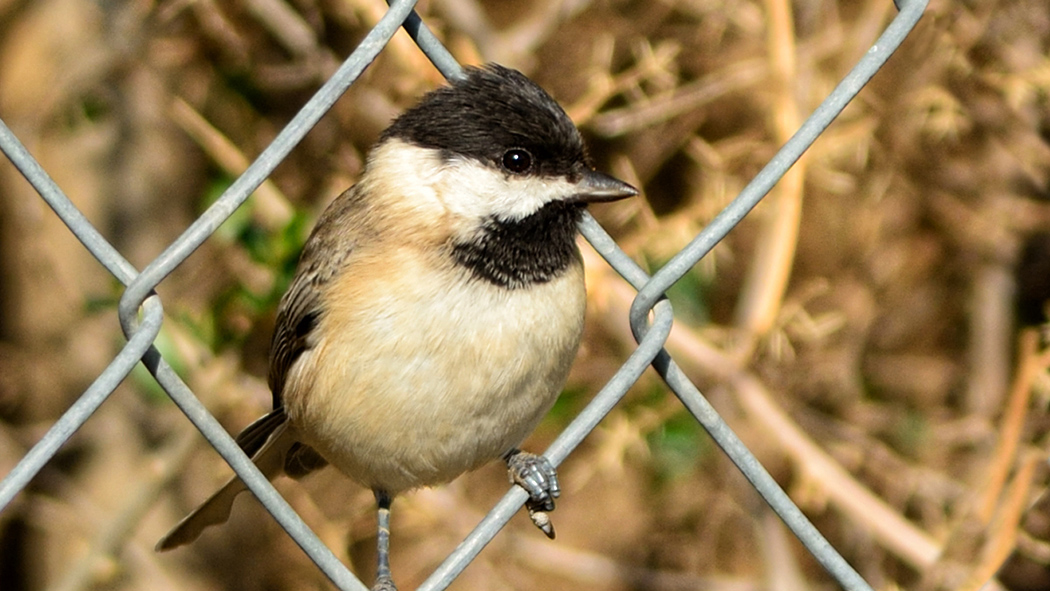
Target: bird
{"x":437,"y":306}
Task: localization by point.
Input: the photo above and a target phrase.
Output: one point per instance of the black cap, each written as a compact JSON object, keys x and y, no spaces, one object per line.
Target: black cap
{"x":490,"y":110}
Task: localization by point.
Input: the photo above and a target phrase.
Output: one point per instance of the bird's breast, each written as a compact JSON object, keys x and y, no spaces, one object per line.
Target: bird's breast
{"x":421,"y":372}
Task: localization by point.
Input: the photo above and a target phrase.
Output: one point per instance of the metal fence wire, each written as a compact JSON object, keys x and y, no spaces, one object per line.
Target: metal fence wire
{"x":140,"y":309}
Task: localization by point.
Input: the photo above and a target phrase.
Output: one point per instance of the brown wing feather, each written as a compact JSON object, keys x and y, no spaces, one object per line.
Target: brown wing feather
{"x":254,"y":436}
{"x":297,"y":316}
{"x":326,"y":251}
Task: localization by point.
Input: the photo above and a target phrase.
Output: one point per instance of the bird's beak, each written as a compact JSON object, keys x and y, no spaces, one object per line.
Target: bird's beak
{"x":594,"y":187}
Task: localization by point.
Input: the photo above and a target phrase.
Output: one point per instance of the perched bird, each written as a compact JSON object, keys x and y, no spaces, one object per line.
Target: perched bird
{"x":437,"y":306}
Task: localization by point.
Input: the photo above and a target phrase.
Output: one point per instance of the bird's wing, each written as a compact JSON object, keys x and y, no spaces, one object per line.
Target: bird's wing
{"x":252,"y":437}
{"x":297,"y":317}
{"x":326,"y":252}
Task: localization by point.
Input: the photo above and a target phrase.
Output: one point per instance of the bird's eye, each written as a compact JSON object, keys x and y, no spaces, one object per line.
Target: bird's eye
{"x":517,"y":160}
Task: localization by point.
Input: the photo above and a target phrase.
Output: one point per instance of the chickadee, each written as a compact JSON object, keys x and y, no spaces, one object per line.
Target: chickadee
{"x":437,"y":306}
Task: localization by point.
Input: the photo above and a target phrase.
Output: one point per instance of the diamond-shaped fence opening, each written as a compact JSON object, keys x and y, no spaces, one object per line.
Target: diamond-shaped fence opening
{"x":141,"y":313}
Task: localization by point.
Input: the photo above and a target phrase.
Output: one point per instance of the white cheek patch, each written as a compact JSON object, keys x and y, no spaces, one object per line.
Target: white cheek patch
{"x":464,"y":187}
{"x":474,"y":190}
{"x":406,"y":176}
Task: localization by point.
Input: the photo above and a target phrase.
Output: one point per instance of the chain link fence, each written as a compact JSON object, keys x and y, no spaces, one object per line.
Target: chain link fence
{"x":141,"y":309}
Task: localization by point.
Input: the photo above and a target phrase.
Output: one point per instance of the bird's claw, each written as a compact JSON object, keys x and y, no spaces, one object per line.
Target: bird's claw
{"x":537,"y":476}
{"x":542,"y":520}
{"x":384,"y":583}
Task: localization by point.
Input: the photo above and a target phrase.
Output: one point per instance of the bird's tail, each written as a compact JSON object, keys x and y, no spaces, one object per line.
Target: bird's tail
{"x":269,"y":458}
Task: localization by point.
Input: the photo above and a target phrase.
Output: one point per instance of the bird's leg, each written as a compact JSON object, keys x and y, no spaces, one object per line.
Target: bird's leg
{"x":384,"y":582}
{"x":537,"y":476}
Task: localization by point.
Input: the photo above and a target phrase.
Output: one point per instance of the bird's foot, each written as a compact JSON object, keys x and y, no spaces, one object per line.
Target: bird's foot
{"x":537,"y":476}
{"x":384,"y":583}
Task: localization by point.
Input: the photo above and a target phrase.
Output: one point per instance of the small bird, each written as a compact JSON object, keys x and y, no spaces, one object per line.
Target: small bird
{"x":437,"y":305}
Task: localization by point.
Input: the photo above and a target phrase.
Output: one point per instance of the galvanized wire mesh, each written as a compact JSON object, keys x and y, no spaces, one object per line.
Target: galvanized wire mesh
{"x":651,"y":317}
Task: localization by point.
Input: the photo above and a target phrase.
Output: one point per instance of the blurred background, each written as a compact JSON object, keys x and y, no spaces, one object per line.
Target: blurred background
{"x":863,"y":330}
